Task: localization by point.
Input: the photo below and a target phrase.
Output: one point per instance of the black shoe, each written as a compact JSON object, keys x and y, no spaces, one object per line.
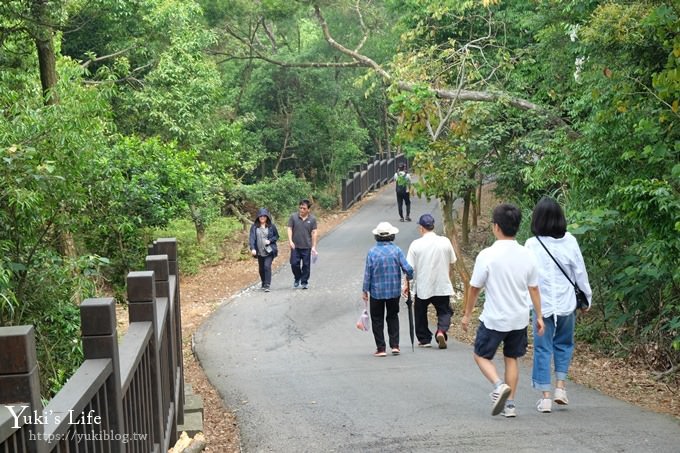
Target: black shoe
{"x":408,"y":219}
{"x":401,"y":220}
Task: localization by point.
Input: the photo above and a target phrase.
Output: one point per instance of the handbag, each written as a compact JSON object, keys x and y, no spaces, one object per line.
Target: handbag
{"x":581,"y":299}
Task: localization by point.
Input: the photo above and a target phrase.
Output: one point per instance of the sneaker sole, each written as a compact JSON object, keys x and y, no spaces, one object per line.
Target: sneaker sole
{"x":397,"y":352}
{"x":424,"y":345}
{"x":508,"y":415}
{"x":382,"y":354}
{"x":500,"y":402}
{"x":561,"y":402}
{"x":441,"y":341}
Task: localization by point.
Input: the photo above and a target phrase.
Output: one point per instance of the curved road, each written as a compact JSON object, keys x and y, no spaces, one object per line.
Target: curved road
{"x":301,"y":378}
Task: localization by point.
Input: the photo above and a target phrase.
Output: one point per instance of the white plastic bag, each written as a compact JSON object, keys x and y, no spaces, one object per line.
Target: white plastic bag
{"x":364,"y":321}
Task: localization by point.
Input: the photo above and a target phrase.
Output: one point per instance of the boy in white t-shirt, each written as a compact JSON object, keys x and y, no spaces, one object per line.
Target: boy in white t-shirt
{"x":508,"y":273}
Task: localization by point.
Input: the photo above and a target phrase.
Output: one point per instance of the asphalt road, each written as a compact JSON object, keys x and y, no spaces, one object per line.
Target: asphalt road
{"x":301,"y":378}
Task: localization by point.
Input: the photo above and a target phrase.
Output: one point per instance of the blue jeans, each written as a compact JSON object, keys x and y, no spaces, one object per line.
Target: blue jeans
{"x":300,"y":260}
{"x":556,"y":344}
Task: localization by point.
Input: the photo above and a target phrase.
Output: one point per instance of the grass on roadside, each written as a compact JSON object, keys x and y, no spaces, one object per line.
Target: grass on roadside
{"x":192,"y":255}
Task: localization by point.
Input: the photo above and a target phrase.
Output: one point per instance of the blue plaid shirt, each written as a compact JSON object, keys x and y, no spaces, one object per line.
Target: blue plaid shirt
{"x":382,"y":274}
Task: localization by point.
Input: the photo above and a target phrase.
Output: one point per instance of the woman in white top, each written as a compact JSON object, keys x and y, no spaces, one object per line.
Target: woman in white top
{"x":558,"y":301}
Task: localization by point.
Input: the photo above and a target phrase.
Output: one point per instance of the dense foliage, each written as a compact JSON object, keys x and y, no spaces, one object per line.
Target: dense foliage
{"x":121,"y":119}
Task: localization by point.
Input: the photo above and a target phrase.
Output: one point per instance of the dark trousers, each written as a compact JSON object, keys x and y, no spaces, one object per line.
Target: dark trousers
{"x":378,"y":318}
{"x":404,"y":198}
{"x":300,"y":260}
{"x":444,"y":311}
{"x":265,"y":268}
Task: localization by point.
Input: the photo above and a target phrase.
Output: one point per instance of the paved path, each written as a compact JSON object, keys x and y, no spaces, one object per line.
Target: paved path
{"x":301,"y":378}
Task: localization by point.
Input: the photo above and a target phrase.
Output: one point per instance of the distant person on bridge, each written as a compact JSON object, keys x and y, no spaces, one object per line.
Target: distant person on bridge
{"x":302,"y":237}
{"x":431,"y":256}
{"x":508,"y":273}
{"x":262,"y":240}
{"x":558,"y":301}
{"x":382,"y":286}
{"x":402,"y":182}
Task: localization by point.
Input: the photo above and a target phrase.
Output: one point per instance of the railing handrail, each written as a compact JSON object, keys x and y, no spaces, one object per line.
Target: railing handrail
{"x":128,"y":386}
{"x":368,"y":177}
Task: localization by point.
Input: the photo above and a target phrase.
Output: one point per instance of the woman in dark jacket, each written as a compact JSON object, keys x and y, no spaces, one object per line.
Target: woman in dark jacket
{"x":262,"y":241}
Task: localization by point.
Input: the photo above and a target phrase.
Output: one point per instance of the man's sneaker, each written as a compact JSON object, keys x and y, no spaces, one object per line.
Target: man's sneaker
{"x":401,"y":220}
{"x":304,"y":286}
{"x":395,"y":350}
{"x":379,"y":353}
{"x":424,"y":345}
{"x":509,"y":411}
{"x":544,"y":405}
{"x":561,"y":396}
{"x":441,"y":339}
{"x":266,"y":289}
{"x":296,"y":283}
{"x":499,"y":397}
{"x":408,"y":219}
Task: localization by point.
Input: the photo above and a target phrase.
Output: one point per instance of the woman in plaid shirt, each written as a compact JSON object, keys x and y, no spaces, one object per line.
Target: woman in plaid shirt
{"x":382,"y":286}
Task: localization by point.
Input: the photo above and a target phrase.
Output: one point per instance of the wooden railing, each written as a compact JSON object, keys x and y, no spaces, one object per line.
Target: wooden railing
{"x":127,"y":396}
{"x":367,"y":177}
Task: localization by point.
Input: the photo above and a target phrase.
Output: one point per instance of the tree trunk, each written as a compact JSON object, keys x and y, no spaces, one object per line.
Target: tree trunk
{"x":480,"y":184}
{"x":199,"y":224}
{"x":466,"y":217}
{"x":384,"y":122}
{"x":43,"y":35}
{"x":452,"y":234}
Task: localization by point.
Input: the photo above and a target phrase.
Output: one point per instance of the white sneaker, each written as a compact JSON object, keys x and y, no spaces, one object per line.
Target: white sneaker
{"x":544,"y":405}
{"x":561,"y":397}
{"x":509,"y":411}
{"x":499,"y":397}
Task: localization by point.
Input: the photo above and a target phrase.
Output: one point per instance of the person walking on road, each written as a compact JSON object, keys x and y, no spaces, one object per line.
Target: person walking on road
{"x":431,"y":256}
{"x":508,"y":273}
{"x":558,"y":301}
{"x":302,"y":237}
{"x":382,"y":286}
{"x":262,"y":240}
{"x":402,"y":183}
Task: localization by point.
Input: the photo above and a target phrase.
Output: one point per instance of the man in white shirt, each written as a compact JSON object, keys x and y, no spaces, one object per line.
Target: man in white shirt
{"x":509,"y":275}
{"x":430,"y":256}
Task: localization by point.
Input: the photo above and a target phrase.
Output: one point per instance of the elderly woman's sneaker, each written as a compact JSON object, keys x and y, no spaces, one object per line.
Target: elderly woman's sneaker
{"x":561,"y":396}
{"x":544,"y":405}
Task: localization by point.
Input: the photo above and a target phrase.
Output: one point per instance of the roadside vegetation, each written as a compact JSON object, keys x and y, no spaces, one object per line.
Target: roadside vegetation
{"x":124,"y":120}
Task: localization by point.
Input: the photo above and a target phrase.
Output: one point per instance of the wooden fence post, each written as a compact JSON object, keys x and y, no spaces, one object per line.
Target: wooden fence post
{"x":141,"y":294}
{"x":100,"y":341}
{"x":159,"y":265}
{"x":168,"y":246}
{"x":19,"y":377}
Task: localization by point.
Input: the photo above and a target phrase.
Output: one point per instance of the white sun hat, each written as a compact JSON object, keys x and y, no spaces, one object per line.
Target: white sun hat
{"x":385,"y":229}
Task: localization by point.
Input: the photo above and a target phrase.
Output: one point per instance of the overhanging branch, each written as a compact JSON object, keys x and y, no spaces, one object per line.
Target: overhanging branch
{"x":458,"y":94}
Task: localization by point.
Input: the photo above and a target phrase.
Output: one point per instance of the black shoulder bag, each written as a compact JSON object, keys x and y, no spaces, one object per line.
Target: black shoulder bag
{"x":581,"y":299}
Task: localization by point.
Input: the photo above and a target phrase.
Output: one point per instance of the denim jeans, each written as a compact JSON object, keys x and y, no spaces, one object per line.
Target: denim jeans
{"x":556,"y":344}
